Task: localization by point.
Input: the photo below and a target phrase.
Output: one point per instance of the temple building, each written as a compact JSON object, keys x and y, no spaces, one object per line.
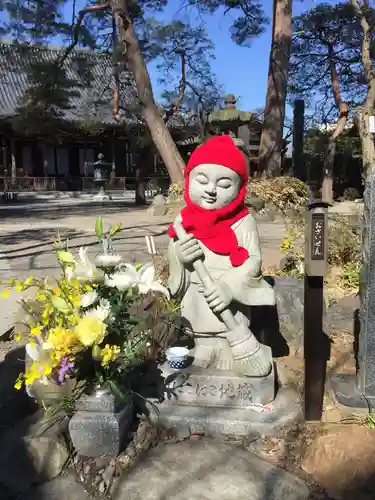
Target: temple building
{"x":53,"y":148}
{"x":83,"y":123}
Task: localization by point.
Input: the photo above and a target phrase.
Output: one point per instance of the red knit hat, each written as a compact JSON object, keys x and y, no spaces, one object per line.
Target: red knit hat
{"x":219,"y":150}
{"x":214,"y":227}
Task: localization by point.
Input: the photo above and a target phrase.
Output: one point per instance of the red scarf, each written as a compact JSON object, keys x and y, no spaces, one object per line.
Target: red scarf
{"x":213,"y":227}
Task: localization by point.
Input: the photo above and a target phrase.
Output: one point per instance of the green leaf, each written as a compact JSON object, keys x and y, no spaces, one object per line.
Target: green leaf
{"x":60,"y":304}
{"x":65,"y":257}
{"x":99,"y":227}
{"x":114,"y":230}
{"x":117,"y":392}
{"x":134,"y":320}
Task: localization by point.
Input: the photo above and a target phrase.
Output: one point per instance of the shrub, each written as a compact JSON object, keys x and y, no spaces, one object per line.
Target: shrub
{"x":349,"y":276}
{"x":344,"y":250}
{"x":351,"y":194}
{"x":344,"y":241}
{"x":285,"y":193}
{"x":175,"y":192}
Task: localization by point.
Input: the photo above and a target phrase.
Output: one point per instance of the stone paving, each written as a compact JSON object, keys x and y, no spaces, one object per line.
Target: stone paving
{"x":27,"y":232}
{"x":28,"y":229}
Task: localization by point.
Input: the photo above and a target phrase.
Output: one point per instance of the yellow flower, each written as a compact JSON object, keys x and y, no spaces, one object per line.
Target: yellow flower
{"x":19,"y":382}
{"x":74,"y":300}
{"x":61,"y":341}
{"x":18,"y":337}
{"x":36,"y":330}
{"x":108,"y":354}
{"x":20,"y":287}
{"x":90,"y":330}
{"x":5,"y":293}
{"x":56,"y":291}
{"x":75,"y":283}
{"x":41,"y":297}
{"x":12,"y":281}
{"x":28,"y":280}
{"x":32,"y":374}
{"x":47,"y":311}
{"x":46,"y":369}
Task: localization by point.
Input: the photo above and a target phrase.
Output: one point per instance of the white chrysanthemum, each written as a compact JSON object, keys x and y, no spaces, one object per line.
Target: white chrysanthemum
{"x":102,"y":311}
{"x":107,"y":260}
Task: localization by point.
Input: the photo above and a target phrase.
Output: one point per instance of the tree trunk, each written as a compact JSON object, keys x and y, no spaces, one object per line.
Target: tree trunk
{"x":362,"y":117}
{"x":367,"y":143}
{"x":159,"y":130}
{"x":329,"y":161}
{"x":271,"y":142}
{"x":140,"y":187}
{"x":329,"y":158}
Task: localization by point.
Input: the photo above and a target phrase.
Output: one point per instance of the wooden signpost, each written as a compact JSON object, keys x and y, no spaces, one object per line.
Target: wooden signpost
{"x":316,"y":343}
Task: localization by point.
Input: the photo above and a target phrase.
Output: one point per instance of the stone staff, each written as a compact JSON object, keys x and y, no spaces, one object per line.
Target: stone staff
{"x":249,"y":356}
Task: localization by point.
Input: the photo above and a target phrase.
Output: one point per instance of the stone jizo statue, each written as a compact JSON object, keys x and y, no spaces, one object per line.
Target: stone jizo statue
{"x":218,"y":230}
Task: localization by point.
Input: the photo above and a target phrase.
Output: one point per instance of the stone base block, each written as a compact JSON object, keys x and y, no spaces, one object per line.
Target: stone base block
{"x":101,"y":197}
{"x":214,"y":421}
{"x":217,"y":388}
{"x":343,"y":389}
{"x":100,"y":431}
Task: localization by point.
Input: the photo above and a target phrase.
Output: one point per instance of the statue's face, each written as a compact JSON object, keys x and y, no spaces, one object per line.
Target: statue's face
{"x":213,"y":186}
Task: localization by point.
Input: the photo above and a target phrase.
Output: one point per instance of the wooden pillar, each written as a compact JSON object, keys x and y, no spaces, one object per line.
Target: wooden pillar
{"x":4,"y":154}
{"x":298,"y":160}
{"x":113,"y":154}
{"x":73,"y":152}
{"x":13,"y":163}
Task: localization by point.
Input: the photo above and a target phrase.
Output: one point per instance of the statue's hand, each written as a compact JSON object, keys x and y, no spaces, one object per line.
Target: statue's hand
{"x":189,"y":250}
{"x":218,"y":296}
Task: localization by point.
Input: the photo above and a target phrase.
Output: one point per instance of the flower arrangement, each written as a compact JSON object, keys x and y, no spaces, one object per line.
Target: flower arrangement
{"x":80,"y":327}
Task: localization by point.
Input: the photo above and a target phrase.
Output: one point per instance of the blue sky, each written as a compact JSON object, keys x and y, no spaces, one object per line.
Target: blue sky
{"x":241,"y":70}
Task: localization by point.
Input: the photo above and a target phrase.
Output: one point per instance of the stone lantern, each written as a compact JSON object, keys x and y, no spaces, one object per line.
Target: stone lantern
{"x":101,"y":171}
{"x":235,"y":123}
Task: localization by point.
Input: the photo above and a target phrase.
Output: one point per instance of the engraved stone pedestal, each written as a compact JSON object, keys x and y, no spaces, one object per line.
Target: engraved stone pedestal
{"x":210,"y":387}
{"x":217,"y":402}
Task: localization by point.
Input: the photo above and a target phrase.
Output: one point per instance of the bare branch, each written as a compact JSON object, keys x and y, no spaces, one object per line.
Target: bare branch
{"x":73,"y":12}
{"x":151,"y":113}
{"x":77,"y":27}
{"x":182,"y":88}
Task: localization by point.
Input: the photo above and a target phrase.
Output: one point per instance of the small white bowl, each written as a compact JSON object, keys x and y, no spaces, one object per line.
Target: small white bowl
{"x":177,"y":357}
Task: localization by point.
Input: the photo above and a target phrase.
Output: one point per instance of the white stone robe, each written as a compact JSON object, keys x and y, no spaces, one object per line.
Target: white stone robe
{"x":245,"y":281}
